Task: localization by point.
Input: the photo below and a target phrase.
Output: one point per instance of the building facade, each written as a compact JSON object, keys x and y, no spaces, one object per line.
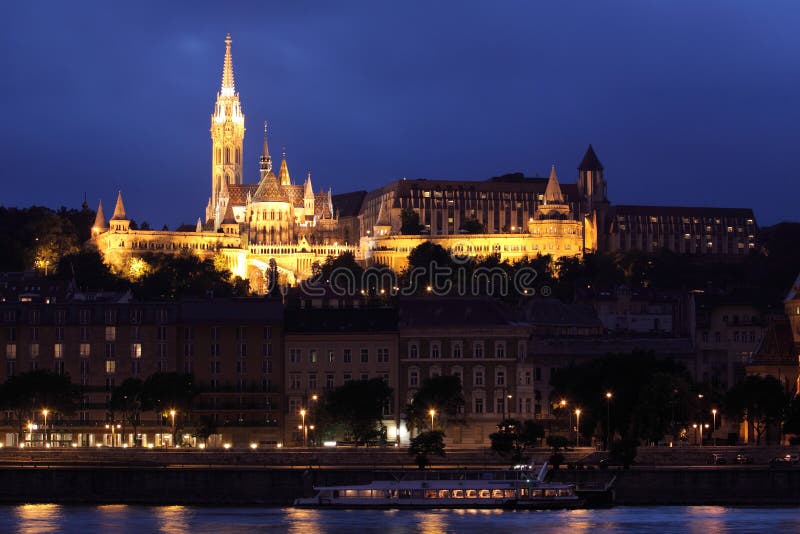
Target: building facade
{"x":481,"y":343}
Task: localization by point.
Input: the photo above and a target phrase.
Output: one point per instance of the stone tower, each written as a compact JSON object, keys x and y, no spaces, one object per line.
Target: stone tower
{"x":227,"y":133}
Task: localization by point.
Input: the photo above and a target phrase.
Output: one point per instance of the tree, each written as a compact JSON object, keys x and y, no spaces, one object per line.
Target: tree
{"x":205,"y":429}
{"x":650,"y":395}
{"x":171,"y":277}
{"x":558,"y":443}
{"x":26,"y":394}
{"x":163,"y":392}
{"x":356,"y":409}
{"x":443,"y":394}
{"x":472,"y":225}
{"x":757,"y":400}
{"x":86,"y":267}
{"x":409,"y":221}
{"x":513,"y":437}
{"x":425,"y":445}
{"x":129,"y":398}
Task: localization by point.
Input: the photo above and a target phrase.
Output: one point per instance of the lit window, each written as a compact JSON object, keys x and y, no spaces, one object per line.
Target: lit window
{"x":111,"y":333}
{"x":58,"y":350}
{"x":85,"y":350}
{"x":136,"y":350}
{"x":111,"y":367}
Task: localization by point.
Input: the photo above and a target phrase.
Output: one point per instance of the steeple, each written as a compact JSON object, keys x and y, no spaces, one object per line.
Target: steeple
{"x":552,"y":194}
{"x":227,"y":131}
{"x":308,"y":198}
{"x":265,"y":161}
{"x":590,"y":161}
{"x":120,"y":221}
{"x":100,"y":225}
{"x":283,"y":174}
{"x":199,"y":227}
{"x":308,"y":191}
{"x":228,"y":87}
{"x":119,"y":209}
{"x":591,"y":182}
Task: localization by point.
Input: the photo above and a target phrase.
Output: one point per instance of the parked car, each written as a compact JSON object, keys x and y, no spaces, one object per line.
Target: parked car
{"x":744,"y":459}
{"x":718,"y":459}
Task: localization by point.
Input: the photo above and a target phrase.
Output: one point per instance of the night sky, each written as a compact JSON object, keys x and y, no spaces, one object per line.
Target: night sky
{"x":686,"y":102}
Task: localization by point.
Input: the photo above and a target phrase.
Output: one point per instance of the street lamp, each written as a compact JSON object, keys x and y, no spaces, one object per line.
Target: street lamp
{"x":714,"y":428}
{"x":172,"y":415}
{"x":303,"y":415}
{"x":578,"y":428}
{"x":44,"y":413}
{"x":315,"y":398}
{"x":432,"y":413}
{"x":608,"y":421}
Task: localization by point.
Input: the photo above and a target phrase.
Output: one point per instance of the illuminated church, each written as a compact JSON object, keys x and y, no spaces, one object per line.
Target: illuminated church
{"x":251,"y":227}
{"x":276,"y":225}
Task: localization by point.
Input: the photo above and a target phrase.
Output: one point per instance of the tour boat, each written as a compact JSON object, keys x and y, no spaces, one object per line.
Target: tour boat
{"x":518,"y":488}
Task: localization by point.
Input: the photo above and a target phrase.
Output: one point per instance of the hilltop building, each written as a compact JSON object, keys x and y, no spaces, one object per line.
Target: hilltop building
{"x":274,"y":226}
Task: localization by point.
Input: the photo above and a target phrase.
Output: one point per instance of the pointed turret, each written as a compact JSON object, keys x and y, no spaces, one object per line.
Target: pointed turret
{"x":120,"y":221}
{"x":591,"y":182}
{"x":552,"y":194}
{"x":199,"y":227}
{"x":100,"y":225}
{"x":283,"y":174}
{"x":228,"y":86}
{"x":308,"y":198}
{"x":265,"y":161}
{"x":308,"y":190}
{"x":229,"y":224}
{"x":229,"y":218}
{"x":119,"y":209}
{"x":590,"y":161}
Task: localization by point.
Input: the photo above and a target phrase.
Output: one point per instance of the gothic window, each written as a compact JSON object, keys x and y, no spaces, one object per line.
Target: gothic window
{"x":219,"y":158}
{"x":227,"y":156}
{"x":238,"y":156}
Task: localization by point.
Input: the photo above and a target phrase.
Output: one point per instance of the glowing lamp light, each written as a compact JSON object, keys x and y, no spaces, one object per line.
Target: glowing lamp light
{"x":74,"y":445}
{"x":226,"y":446}
{"x":328,"y":443}
{"x":202,"y":446}
{"x":150,"y":445}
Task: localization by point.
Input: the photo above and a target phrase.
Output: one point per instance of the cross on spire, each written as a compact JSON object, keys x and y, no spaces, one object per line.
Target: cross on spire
{"x":228,"y":87}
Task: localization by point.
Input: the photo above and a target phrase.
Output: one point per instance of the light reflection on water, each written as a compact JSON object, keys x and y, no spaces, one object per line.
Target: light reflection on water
{"x":45,"y":518}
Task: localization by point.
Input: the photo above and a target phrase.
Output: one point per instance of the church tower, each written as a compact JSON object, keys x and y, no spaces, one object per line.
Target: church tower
{"x":227,"y":132}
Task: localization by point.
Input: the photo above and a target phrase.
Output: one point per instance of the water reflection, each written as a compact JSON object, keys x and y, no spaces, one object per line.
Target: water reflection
{"x":36,"y":518}
{"x":172,"y":519}
{"x":303,"y":520}
{"x":706,"y":519}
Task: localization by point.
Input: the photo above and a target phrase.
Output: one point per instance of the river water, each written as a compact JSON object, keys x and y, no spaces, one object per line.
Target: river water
{"x":40,"y":518}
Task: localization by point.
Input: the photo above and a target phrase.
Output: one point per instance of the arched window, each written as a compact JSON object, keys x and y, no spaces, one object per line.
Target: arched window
{"x":219,"y":155}
{"x":227,"y":156}
{"x":238,"y":155}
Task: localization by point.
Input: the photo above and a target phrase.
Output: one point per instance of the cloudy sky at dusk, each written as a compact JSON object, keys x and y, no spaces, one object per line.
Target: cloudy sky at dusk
{"x":686,"y":102}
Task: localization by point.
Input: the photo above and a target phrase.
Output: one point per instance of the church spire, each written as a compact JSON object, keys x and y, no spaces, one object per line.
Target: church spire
{"x":265,"y":161}
{"x":100,"y":225}
{"x":119,"y":209}
{"x":552,"y":194}
{"x":228,"y":87}
{"x":283,"y":174}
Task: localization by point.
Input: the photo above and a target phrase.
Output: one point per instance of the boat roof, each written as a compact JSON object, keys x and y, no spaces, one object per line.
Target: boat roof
{"x":443,"y":484}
